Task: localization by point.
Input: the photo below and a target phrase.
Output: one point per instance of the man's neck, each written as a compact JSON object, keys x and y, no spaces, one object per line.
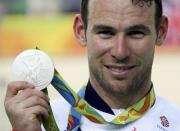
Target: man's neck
{"x":122,"y":101}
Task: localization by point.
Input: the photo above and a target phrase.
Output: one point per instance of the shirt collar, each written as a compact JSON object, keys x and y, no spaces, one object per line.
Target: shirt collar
{"x":95,"y":100}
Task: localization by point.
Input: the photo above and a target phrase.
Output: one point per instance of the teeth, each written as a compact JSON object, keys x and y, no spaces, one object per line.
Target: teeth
{"x":117,"y":69}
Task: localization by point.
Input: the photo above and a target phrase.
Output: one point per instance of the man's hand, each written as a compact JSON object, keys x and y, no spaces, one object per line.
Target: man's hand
{"x":25,"y":106}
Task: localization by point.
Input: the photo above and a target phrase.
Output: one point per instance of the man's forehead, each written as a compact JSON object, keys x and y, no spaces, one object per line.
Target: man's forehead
{"x":122,"y":4}
{"x":118,"y":13}
{"x":119,"y":8}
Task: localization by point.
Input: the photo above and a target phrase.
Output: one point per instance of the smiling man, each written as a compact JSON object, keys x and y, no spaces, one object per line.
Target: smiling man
{"x":120,"y":37}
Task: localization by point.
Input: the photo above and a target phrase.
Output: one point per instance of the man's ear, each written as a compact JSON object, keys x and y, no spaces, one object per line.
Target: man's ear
{"x":162,"y":32}
{"x":79,"y":30}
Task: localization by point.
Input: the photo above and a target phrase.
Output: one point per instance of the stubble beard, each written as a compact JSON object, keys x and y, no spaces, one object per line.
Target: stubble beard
{"x":138,"y":82}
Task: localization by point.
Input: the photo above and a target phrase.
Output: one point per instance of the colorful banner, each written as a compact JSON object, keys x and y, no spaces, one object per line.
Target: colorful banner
{"x":53,"y":34}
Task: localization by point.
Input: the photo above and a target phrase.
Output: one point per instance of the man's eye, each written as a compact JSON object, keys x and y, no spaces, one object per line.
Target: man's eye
{"x":105,"y":34}
{"x":136,"y":34}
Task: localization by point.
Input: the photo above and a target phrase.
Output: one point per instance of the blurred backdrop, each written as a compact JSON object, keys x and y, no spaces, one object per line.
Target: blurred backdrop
{"x":47,"y":24}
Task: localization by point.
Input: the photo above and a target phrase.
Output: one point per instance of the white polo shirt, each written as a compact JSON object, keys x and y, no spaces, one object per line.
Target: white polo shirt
{"x":163,"y":116}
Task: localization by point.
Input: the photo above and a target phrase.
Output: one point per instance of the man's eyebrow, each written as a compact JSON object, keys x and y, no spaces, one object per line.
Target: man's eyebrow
{"x":138,"y":27}
{"x":101,"y":27}
{"x":131,"y":28}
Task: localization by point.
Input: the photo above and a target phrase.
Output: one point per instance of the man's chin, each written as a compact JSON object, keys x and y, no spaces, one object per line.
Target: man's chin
{"x":121,"y":90}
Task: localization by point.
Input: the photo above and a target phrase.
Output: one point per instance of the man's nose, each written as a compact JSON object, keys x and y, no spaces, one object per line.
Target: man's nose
{"x":120,"y":49}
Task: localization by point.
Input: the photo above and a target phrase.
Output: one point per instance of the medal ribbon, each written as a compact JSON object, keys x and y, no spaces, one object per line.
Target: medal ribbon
{"x":79,"y":107}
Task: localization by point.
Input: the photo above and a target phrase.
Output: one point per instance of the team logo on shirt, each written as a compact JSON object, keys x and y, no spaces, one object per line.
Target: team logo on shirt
{"x":164,"y":121}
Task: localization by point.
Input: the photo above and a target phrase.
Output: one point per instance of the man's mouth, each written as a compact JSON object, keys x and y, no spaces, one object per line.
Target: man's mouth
{"x":120,"y":70}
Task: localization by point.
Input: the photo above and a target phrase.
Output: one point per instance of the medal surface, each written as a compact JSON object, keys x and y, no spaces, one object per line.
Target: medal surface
{"x":35,"y":67}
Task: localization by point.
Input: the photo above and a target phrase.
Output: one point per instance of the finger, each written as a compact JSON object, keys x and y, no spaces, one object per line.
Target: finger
{"x":34,"y":101}
{"x":16,"y":86}
{"x":39,"y":111}
{"x":25,"y":94}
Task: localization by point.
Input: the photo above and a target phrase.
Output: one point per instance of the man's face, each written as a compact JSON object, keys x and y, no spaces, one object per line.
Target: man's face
{"x":121,"y":38}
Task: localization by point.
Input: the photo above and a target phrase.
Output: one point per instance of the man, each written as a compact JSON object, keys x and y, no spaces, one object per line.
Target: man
{"x":120,"y":37}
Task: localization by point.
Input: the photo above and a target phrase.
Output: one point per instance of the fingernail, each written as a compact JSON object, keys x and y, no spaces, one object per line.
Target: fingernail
{"x":30,"y":85}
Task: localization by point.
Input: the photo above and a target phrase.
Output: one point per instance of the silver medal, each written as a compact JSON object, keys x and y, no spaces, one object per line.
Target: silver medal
{"x":35,"y":67}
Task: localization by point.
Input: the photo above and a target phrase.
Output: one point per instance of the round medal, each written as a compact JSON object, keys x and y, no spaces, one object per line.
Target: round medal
{"x":35,"y":67}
